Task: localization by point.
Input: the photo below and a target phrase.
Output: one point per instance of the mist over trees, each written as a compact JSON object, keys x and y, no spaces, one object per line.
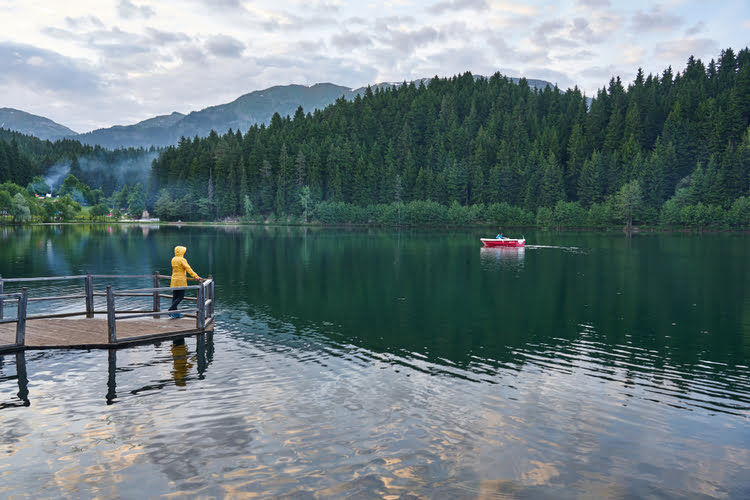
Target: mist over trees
{"x":24,"y":158}
{"x":677,"y":137}
{"x":110,"y":181}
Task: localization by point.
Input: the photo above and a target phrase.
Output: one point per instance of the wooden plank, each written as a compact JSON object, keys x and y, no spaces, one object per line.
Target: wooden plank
{"x":45,"y":278}
{"x":124,"y":293}
{"x":57,"y":297}
{"x":128,"y":315}
{"x":93,"y":332}
{"x":129,"y":276}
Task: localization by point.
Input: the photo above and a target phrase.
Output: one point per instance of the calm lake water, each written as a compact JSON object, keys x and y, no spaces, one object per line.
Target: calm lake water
{"x":411,"y":364}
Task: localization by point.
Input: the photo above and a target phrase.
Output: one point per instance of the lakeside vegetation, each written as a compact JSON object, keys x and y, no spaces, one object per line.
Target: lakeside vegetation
{"x":669,"y":150}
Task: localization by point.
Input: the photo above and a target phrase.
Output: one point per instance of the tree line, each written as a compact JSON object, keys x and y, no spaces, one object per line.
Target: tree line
{"x":661,"y":149}
{"x":671,"y":148}
{"x":77,"y":175}
{"x":25,"y":158}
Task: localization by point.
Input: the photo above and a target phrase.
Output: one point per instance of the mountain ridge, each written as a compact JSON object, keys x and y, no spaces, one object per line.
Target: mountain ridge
{"x":30,"y":124}
{"x":249,"y":109}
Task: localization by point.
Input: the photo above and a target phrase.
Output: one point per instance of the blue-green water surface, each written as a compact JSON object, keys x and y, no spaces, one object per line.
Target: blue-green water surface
{"x":353,"y":363}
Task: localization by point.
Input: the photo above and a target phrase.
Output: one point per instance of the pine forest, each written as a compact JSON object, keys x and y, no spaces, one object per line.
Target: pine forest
{"x":668,"y":149}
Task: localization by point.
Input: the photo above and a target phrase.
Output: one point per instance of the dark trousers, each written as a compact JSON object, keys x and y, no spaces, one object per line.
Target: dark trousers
{"x":177,"y":297}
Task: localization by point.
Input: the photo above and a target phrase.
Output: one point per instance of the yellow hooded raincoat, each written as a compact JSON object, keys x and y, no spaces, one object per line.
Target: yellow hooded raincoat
{"x":179,"y":267}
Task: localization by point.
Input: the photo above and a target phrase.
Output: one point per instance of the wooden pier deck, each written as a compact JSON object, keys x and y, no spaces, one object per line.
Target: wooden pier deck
{"x":84,"y":333}
{"x":91,"y":328}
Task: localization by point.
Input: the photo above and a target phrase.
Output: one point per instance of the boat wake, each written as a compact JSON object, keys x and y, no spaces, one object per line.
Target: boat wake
{"x":554,"y":247}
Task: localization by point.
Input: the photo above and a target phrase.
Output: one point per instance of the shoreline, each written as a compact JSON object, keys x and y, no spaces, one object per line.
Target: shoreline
{"x":610,"y":229}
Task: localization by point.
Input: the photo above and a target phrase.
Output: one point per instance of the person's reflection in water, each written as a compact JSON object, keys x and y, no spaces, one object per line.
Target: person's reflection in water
{"x":181,"y":363}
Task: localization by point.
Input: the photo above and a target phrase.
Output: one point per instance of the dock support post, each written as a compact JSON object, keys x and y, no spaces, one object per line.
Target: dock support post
{"x":111,"y":316}
{"x":89,"y":286}
{"x":200,"y":321}
{"x":157,"y":300}
{"x":111,"y":380}
{"x":21,"y":323}
{"x":200,"y":347}
{"x":23,"y":379}
{"x":1,"y":296}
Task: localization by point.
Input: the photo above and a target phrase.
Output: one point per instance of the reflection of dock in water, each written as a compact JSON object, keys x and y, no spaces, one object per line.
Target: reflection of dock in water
{"x":97,"y":323}
{"x":183,"y":363}
{"x":502,"y":257}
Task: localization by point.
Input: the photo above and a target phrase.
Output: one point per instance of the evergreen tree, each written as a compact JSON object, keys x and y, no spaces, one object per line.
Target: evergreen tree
{"x":75,"y":168}
{"x":576,"y":157}
{"x":136,"y":201}
{"x":588,"y":182}
{"x":629,"y":202}
{"x":283,"y":184}
{"x":551,"y":189}
{"x":266,"y":190}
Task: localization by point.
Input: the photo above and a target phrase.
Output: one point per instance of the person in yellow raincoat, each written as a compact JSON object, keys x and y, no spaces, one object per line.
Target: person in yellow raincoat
{"x":179,"y":267}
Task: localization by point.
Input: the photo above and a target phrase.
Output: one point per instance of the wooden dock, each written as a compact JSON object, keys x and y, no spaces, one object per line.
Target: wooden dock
{"x":110,"y":328}
{"x":54,"y":333}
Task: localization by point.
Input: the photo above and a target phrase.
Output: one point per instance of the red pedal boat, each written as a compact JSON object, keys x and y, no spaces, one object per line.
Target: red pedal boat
{"x":503,"y":242}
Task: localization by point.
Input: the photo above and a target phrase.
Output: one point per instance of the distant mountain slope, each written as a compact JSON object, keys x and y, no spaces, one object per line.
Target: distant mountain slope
{"x":157,"y":131}
{"x":245,"y":111}
{"x":259,"y":106}
{"x":242,"y":113}
{"x":38,"y":126}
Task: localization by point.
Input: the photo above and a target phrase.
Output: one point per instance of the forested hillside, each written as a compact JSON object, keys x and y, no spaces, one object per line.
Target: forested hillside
{"x":24,"y":157}
{"x":483,"y":141}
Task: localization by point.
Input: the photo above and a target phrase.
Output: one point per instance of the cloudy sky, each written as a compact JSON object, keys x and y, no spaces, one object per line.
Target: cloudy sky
{"x":92,"y":64}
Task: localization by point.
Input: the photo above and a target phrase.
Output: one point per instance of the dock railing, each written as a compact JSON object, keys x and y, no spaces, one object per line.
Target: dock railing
{"x":203,"y":310}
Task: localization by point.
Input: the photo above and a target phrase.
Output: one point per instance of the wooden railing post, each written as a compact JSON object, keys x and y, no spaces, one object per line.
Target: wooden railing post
{"x":1,"y":296}
{"x":211,"y":296}
{"x":89,"y":287}
{"x":111,"y":316}
{"x":200,"y":321}
{"x":21,"y":323}
{"x":157,"y":299}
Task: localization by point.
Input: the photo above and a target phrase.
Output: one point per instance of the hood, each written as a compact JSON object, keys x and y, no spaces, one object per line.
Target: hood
{"x":179,"y":251}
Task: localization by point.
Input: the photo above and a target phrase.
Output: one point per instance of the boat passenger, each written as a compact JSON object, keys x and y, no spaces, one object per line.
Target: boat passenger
{"x":499,"y":236}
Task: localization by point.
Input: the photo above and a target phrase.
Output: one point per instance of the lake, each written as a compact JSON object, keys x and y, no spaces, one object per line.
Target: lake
{"x":356,"y":363}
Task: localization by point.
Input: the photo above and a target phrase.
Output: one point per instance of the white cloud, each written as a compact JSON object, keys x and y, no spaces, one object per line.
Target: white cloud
{"x":128,"y":60}
{"x":127,"y":10}
{"x":696,"y":28}
{"x":46,"y":70}
{"x":225,"y":46}
{"x":457,"y":5}
{"x":632,"y":54}
{"x":594,"y":3}
{"x":520,"y":8}
{"x":351,"y":41}
{"x":680,"y":50}
{"x":656,"y":20}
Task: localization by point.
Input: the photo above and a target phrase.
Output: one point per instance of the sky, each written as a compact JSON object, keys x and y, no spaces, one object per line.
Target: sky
{"x":94,"y":64}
